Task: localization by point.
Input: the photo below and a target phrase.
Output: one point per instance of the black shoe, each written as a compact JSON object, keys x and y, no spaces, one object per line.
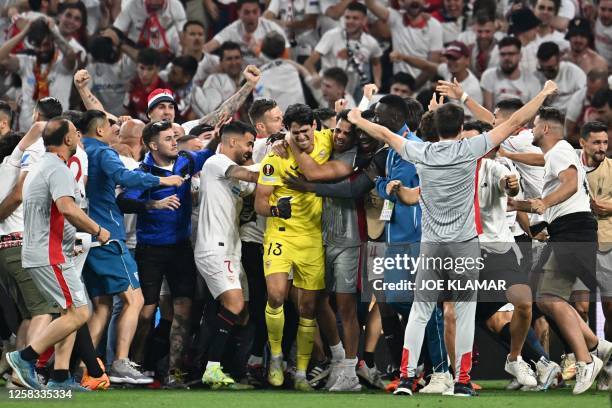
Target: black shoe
{"x":464,"y":390}
{"x":406,"y":386}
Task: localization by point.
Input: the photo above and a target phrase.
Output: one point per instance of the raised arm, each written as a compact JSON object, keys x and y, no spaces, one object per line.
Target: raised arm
{"x":337,"y":10}
{"x":376,"y":131}
{"x":454,"y":90}
{"x":230,"y":107}
{"x":242,"y":173}
{"x":10,"y":61}
{"x":81,"y":82}
{"x":70,"y":57}
{"x":521,"y":116}
{"x":377,"y":9}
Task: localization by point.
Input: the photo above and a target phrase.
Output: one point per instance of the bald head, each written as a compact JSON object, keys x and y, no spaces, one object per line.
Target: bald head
{"x":178,"y":131}
{"x":131,"y":132}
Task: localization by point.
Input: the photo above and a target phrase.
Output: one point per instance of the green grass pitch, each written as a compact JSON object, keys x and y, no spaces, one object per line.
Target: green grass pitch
{"x":493,"y":395}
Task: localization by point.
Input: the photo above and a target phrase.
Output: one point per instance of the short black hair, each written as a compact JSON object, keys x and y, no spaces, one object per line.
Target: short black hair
{"x":601,"y":98}
{"x":197,"y":130}
{"x":76,"y":117}
{"x":228,"y":46}
{"x":509,"y":105}
{"x":237,"y":127}
{"x":187,"y":63}
{"x":477,"y":125}
{"x":322,"y":114}
{"x":49,"y":107}
{"x":551,"y":114}
{"x":91,"y":120}
{"x":259,"y":107}
{"x":298,"y":113}
{"x":368,"y":114}
{"x":240,"y":3}
{"x":356,"y":6}
{"x":403,"y":78}
{"x":509,"y":41}
{"x":6,"y":110}
{"x":8,"y":144}
{"x":273,"y":45}
{"x":414,"y":113}
{"x":449,"y":120}
{"x":336,"y":74}
{"x":547,"y":50}
{"x":38,"y":32}
{"x":149,"y":57}
{"x":153,"y":129}
{"x":35,"y":5}
{"x":78,"y":5}
{"x":594,"y":126}
{"x":483,"y":16}
{"x":397,"y":104}
{"x":55,"y":130}
{"x":193,"y":22}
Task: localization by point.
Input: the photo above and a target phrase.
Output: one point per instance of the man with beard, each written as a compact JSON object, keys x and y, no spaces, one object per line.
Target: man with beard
{"x":481,"y":40}
{"x":594,"y":143}
{"x":48,"y":72}
{"x":571,"y":251}
{"x":248,"y":31}
{"x":508,"y":80}
{"x":413,"y":32}
{"x":224,"y":182}
{"x":351,"y":49}
{"x":580,"y":36}
{"x":569,"y":77}
{"x":163,"y":234}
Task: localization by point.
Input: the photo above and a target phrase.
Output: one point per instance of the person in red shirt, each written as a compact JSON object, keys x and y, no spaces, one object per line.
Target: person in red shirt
{"x":146,"y":80}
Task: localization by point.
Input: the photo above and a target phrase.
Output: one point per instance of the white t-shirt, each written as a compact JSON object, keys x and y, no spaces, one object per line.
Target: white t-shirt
{"x":208,"y":65}
{"x":525,"y":87}
{"x":532,"y":177}
{"x":418,"y":42}
{"x":333,"y":50}
{"x":289,"y":10}
{"x":79,"y":164}
{"x":493,"y":202}
{"x":217,"y":89}
{"x":557,"y":37}
{"x":10,"y":169}
{"x":220,"y":205}
{"x":561,"y":157}
{"x":603,"y":41}
{"x":32,"y":155}
{"x":576,"y":105}
{"x":253,"y":231}
{"x":133,"y":16}
{"x":108,"y":83}
{"x":529,"y":58}
{"x":570,"y":80}
{"x":470,"y":85}
{"x":280,"y":81}
{"x":60,"y":85}
{"x":237,"y":33}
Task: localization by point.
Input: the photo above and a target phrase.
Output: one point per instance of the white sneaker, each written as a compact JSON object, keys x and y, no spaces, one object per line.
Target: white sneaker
{"x":604,"y":381}
{"x":603,"y":351}
{"x":439,"y":383}
{"x":344,"y":383}
{"x":334,"y":374}
{"x":547,"y":372}
{"x":370,"y":375}
{"x":513,"y":385}
{"x":586,"y":374}
{"x":520,"y":370}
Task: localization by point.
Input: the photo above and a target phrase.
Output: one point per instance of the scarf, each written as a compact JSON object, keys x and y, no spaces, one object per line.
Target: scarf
{"x":41,"y":79}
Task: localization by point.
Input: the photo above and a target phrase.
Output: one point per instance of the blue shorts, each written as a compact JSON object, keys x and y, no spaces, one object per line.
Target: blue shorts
{"x":110,"y":269}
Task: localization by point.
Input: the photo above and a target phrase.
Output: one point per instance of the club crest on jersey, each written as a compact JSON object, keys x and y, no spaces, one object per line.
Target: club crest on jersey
{"x":268,"y":170}
{"x":322,"y":153}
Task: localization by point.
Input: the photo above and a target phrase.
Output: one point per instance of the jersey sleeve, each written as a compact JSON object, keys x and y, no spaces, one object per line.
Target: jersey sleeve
{"x":325,"y":43}
{"x":559,"y":161}
{"x":327,"y":142}
{"x":61,"y":183}
{"x":271,"y":173}
{"x":413,"y":151}
{"x":479,"y":145}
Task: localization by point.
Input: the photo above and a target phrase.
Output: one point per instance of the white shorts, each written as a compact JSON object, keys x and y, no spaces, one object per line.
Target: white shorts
{"x":221,"y":272}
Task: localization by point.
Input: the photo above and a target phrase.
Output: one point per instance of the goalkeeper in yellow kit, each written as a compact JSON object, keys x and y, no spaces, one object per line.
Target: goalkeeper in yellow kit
{"x":292,"y":240}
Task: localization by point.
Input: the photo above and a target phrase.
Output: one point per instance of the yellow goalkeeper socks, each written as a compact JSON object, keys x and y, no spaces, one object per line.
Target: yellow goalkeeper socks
{"x":305,"y":338}
{"x":275,"y":321}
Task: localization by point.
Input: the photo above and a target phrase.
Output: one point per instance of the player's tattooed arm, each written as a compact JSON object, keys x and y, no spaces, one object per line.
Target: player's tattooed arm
{"x":70,"y":57}
{"x":242,"y":173}
{"x":231,"y":106}
{"x":81,"y":82}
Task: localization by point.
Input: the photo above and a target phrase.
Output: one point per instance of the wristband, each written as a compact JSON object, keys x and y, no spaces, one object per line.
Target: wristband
{"x":464,"y":97}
